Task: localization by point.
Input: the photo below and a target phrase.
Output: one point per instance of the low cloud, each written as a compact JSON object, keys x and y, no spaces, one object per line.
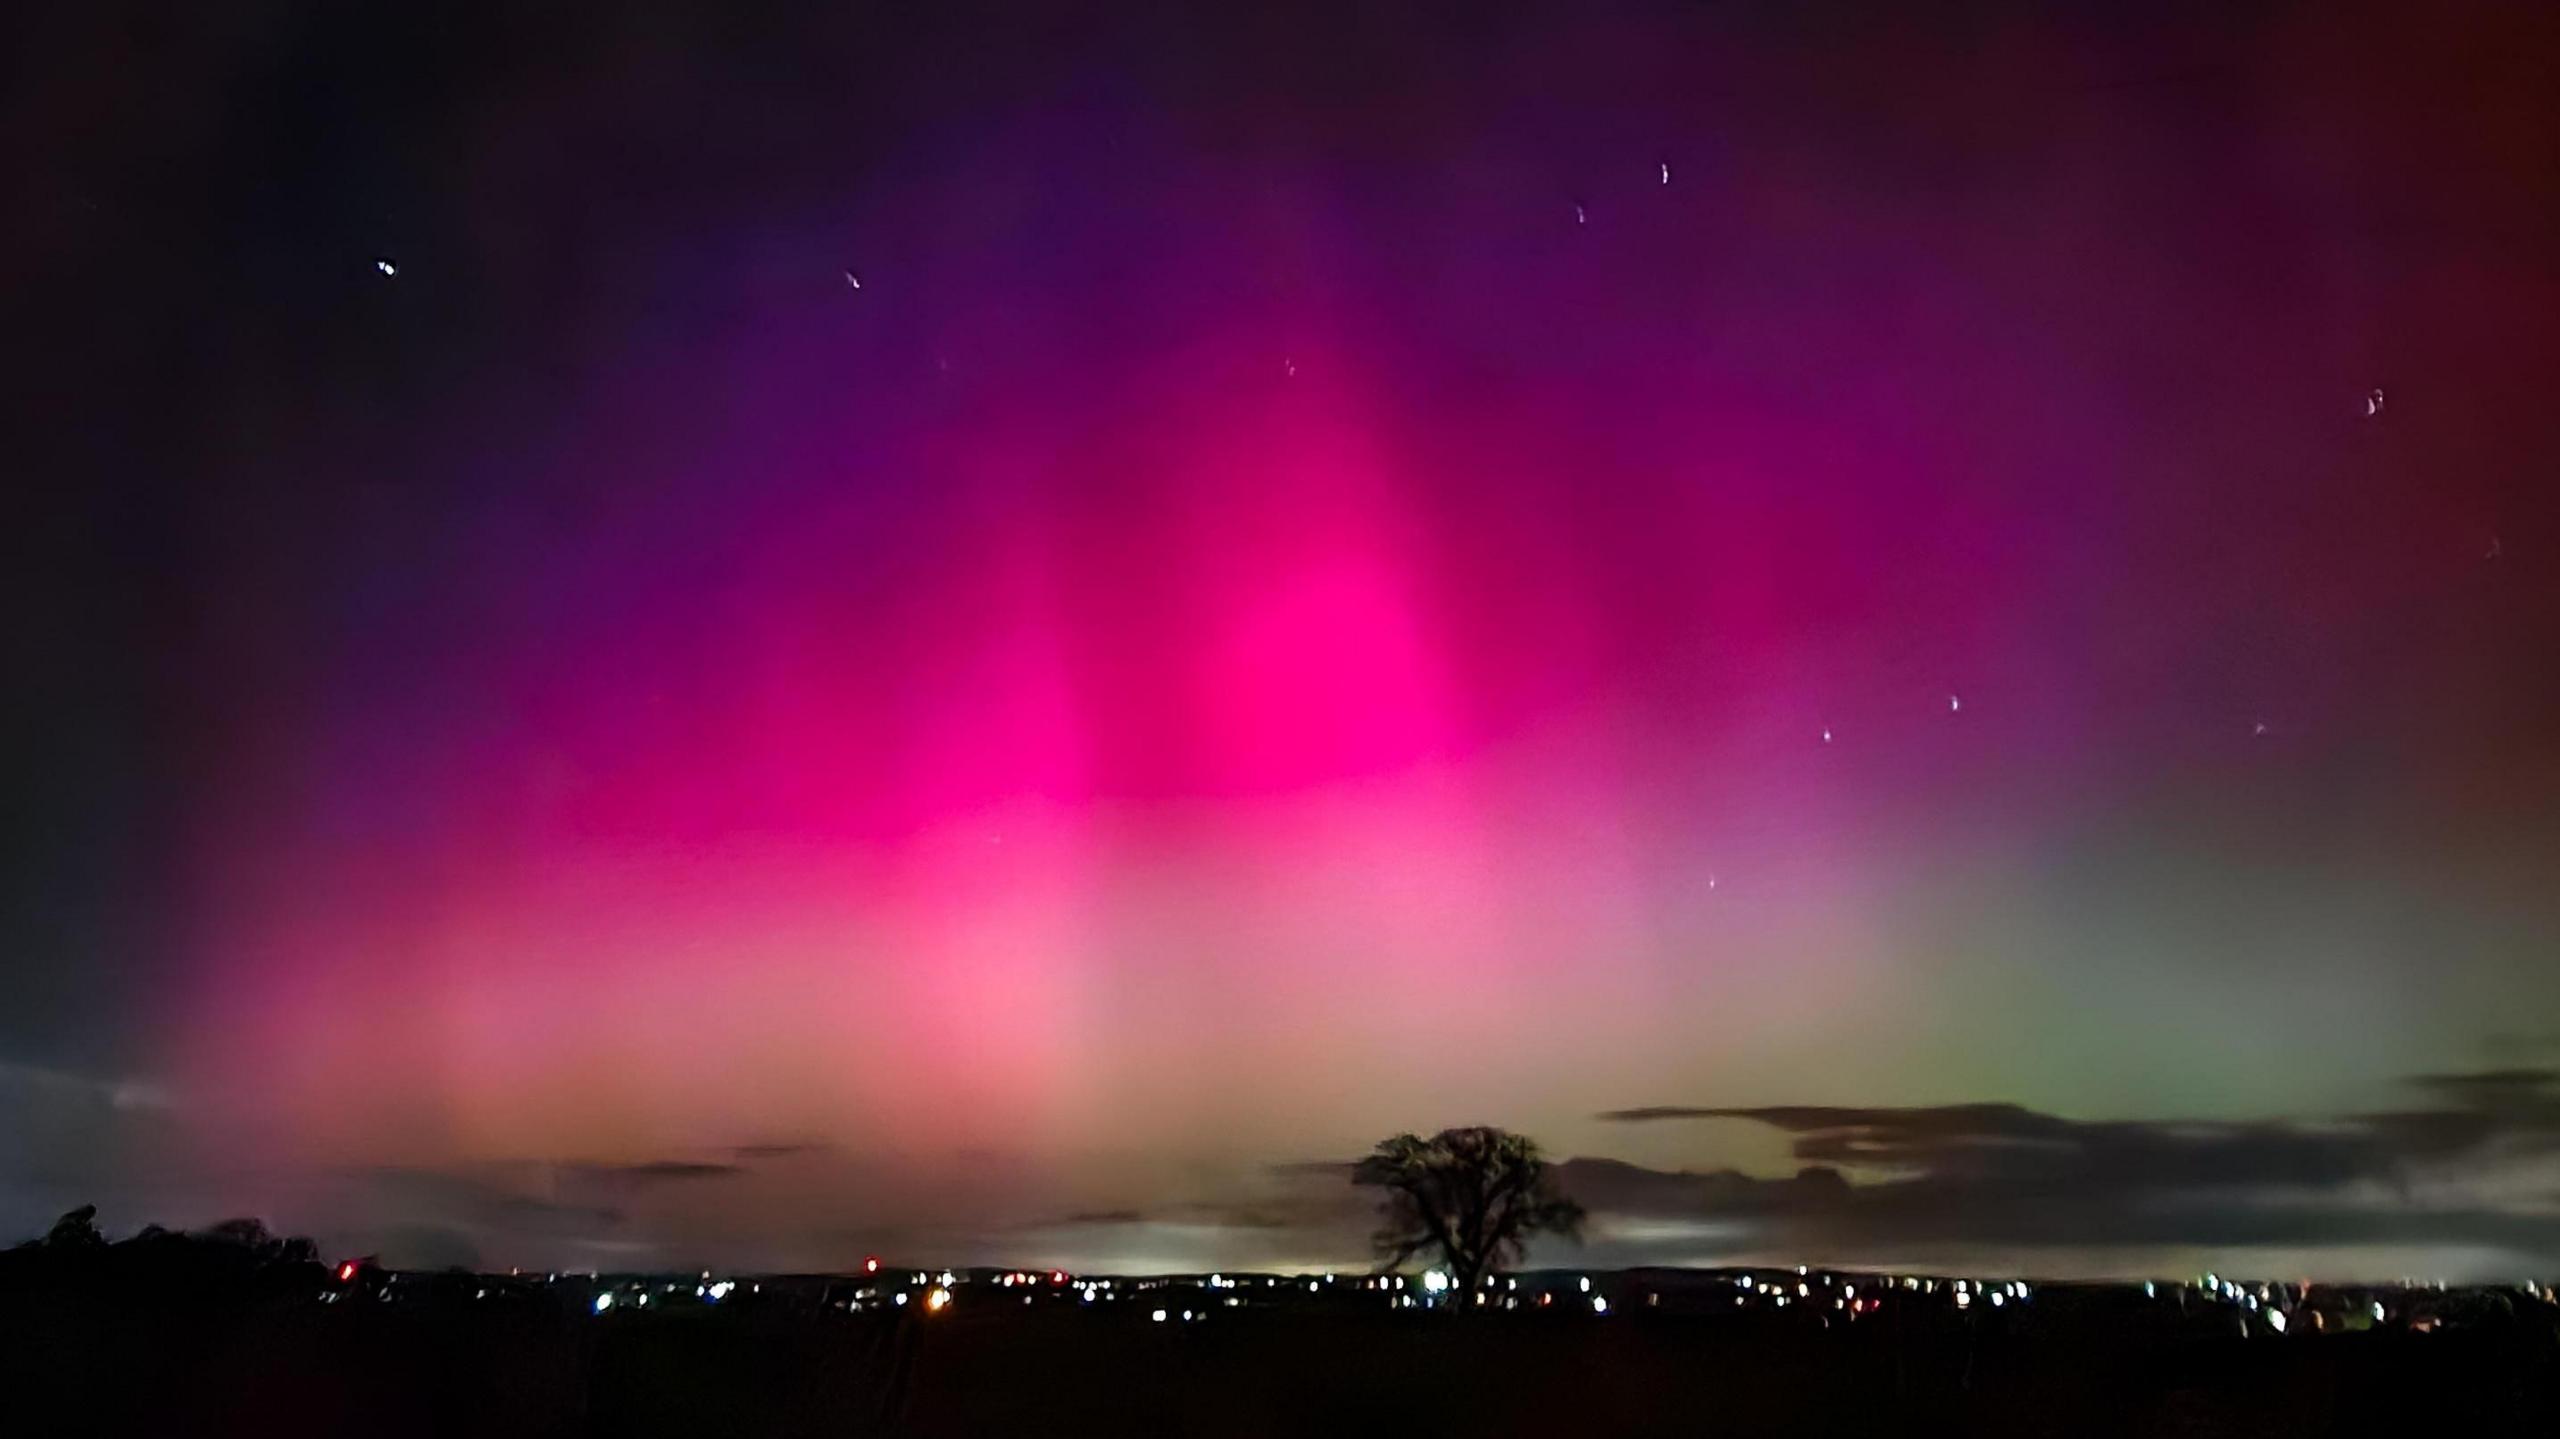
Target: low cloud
{"x":2458,"y":1174}
{"x":1103,"y":1216}
{"x":654,"y":1170}
{"x":752,"y":1152}
{"x":34,"y":1083}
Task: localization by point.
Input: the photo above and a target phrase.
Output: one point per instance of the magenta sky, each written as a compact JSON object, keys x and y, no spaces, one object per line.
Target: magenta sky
{"x":1308,"y":591}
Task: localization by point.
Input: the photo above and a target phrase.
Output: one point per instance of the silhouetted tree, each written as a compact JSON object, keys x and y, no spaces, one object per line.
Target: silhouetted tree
{"x":1475,"y":1194}
{"x":76,"y":1230}
{"x":247,"y":1233}
{"x":254,"y":1236}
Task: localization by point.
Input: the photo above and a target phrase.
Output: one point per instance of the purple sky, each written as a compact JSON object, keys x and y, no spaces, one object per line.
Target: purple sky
{"x":1005,"y":638}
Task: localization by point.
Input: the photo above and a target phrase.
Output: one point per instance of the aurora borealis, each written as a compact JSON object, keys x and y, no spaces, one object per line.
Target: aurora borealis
{"x":1336,"y":573}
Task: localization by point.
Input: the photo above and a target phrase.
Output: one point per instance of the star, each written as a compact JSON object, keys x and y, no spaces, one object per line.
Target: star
{"x":387,"y":268}
{"x":1289,"y":368}
{"x":2258,"y":730}
{"x":853,"y":279}
{"x":2373,"y":402}
{"x":1579,"y":217}
{"x":1826,"y":736}
{"x":1666,"y":172}
{"x":1955,"y":704}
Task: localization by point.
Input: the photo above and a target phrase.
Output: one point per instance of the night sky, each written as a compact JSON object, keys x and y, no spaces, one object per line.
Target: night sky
{"x":1914,"y":634}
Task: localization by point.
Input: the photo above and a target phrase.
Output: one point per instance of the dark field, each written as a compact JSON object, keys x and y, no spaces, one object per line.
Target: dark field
{"x":264,"y":1358}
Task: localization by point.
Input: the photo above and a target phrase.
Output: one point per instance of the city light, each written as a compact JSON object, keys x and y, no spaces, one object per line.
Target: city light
{"x":1850,"y":1299}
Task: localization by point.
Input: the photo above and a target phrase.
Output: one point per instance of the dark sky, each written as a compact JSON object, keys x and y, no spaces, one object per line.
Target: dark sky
{"x":742,"y":634}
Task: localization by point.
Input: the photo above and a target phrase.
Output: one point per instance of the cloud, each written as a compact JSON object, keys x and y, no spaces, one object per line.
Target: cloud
{"x":1104,"y":1216}
{"x":2461,"y":1173}
{"x":62,"y":1086}
{"x":652,"y":1171}
{"x":68,"y":1139}
{"x":1992,"y":1142}
{"x":2505,"y":1089}
{"x":2455,"y":1183}
{"x":751,"y":1152}
{"x":1613,"y":1186}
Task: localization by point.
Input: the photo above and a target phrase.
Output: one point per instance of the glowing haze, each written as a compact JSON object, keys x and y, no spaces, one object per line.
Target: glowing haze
{"x":1308,"y":591}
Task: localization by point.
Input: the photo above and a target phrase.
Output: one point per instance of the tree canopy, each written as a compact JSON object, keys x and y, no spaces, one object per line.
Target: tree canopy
{"x":1475,"y":1195}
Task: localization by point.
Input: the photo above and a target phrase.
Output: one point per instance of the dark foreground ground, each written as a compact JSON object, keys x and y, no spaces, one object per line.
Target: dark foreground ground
{"x":269,"y":1361}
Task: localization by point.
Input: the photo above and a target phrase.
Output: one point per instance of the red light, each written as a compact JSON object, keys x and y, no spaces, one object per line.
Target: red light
{"x":871,"y":1266}
{"x":1057,"y":1276}
{"x":346,"y":1271}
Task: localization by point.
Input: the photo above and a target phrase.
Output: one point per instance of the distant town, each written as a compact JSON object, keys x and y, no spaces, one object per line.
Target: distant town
{"x":234,"y":1329}
{"x":1801,"y":1296}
